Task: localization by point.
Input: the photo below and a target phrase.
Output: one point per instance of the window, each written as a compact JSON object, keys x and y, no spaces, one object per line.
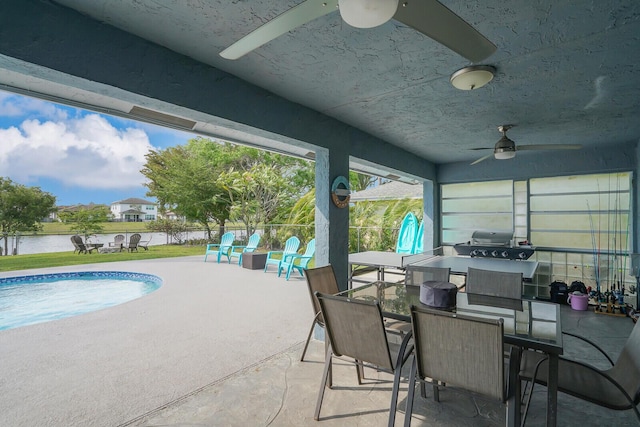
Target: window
{"x":586,"y":212}
{"x":476,"y":206}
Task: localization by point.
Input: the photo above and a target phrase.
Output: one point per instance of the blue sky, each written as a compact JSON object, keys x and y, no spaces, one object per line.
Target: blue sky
{"x":78,"y":156}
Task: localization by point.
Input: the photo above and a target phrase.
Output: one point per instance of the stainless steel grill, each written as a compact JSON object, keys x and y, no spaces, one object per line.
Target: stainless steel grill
{"x":493,"y":244}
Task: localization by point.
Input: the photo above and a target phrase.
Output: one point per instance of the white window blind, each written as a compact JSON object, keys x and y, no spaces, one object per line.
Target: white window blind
{"x":586,"y":212}
{"x":475,"y":206}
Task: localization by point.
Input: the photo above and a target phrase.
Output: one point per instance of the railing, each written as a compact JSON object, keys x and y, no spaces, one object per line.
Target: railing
{"x":274,"y":235}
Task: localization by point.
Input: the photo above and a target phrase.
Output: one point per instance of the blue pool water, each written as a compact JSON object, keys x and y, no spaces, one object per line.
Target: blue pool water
{"x":26,"y":300}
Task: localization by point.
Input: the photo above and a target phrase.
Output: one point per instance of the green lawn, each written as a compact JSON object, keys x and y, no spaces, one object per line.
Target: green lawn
{"x":109,"y":227}
{"x":56,"y":259}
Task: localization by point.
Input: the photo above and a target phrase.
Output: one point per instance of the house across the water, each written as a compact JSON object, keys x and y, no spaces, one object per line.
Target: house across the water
{"x":134,"y":210}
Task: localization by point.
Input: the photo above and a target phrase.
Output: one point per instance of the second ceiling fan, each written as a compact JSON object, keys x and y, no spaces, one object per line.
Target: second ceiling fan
{"x":429,"y":17}
{"x":505,"y":148}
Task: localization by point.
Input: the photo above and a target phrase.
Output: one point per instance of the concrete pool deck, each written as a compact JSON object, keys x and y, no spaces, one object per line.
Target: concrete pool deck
{"x":219,"y":345}
{"x":107,"y":367}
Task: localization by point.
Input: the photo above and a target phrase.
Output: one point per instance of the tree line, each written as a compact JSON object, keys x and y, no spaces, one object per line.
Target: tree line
{"x":208,"y":182}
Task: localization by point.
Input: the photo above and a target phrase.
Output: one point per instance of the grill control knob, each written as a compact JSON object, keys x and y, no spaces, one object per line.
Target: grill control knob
{"x":483,"y":252}
{"x":505,"y":254}
{"x":473,"y":253}
{"x":494,"y":254}
{"x":522,"y":255}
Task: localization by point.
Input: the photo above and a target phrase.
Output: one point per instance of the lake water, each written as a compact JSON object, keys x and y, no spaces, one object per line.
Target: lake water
{"x":62,"y":243}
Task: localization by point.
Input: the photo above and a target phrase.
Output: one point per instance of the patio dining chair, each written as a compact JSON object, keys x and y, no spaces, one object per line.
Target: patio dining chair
{"x":222,"y":248}
{"x":356,"y":334}
{"x":323,"y":280}
{"x":416,"y":275}
{"x":297,"y":262}
{"x":472,"y":362}
{"x":495,"y":288}
{"x":276,"y":257}
{"x":237,"y":250}
{"x":616,"y":387}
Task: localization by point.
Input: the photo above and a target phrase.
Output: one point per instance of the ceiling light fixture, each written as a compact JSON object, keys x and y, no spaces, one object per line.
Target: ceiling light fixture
{"x":505,"y":148}
{"x":472,"y":77}
{"x":367,"y":13}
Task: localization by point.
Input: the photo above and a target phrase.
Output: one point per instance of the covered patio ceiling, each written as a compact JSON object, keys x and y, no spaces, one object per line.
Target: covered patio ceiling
{"x":566,"y":72}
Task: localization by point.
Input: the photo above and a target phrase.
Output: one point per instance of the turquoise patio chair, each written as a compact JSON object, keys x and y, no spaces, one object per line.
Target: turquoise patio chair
{"x":289,"y":261}
{"x":252,"y":245}
{"x":418,"y":247}
{"x":407,"y":234}
{"x":226,"y":241}
{"x":290,"y":248}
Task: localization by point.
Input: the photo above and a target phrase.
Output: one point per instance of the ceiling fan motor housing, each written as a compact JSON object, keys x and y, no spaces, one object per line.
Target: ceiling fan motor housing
{"x":504,"y":149}
{"x":367,"y":14}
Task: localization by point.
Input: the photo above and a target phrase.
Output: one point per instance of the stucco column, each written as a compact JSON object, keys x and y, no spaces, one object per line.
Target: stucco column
{"x":430,"y":196}
{"x":332,"y":223}
{"x":635,"y":219}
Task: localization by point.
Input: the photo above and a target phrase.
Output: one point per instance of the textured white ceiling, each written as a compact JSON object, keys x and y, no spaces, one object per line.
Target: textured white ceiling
{"x":567,"y":72}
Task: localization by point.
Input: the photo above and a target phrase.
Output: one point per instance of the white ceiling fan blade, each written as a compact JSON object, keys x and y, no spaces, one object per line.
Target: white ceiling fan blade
{"x":482,"y":159}
{"x":441,"y":24}
{"x":548,"y":147}
{"x":287,"y":21}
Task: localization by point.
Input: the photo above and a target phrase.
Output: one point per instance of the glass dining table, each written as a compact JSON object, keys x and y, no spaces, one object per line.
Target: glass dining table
{"x":528,"y":324}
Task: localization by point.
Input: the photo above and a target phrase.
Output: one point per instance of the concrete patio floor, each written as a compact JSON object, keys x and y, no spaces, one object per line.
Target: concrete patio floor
{"x":218,"y":345}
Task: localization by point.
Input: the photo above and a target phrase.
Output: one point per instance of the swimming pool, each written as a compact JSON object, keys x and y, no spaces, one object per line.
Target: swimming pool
{"x":26,"y":300}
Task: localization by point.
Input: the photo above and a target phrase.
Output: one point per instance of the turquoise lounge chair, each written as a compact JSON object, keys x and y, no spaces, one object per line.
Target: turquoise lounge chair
{"x":289,"y":261}
{"x":418,"y":247}
{"x":290,"y":248}
{"x":226,"y":241}
{"x":407,"y":234}
{"x":252,"y":245}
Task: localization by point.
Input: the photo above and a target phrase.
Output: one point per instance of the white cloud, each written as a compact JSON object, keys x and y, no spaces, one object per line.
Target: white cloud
{"x":86,"y":151}
{"x":12,"y":105}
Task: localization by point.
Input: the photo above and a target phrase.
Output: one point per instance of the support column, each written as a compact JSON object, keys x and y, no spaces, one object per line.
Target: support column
{"x":332,"y":223}
{"x":430,"y":197}
{"x":635,"y":205}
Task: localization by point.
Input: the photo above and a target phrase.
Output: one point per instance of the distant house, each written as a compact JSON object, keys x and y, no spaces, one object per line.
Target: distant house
{"x":134,"y":210}
{"x":171,"y":215}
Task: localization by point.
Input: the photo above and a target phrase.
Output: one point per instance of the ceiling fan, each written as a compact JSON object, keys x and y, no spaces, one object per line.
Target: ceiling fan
{"x":426,"y":16}
{"x":505,"y":148}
